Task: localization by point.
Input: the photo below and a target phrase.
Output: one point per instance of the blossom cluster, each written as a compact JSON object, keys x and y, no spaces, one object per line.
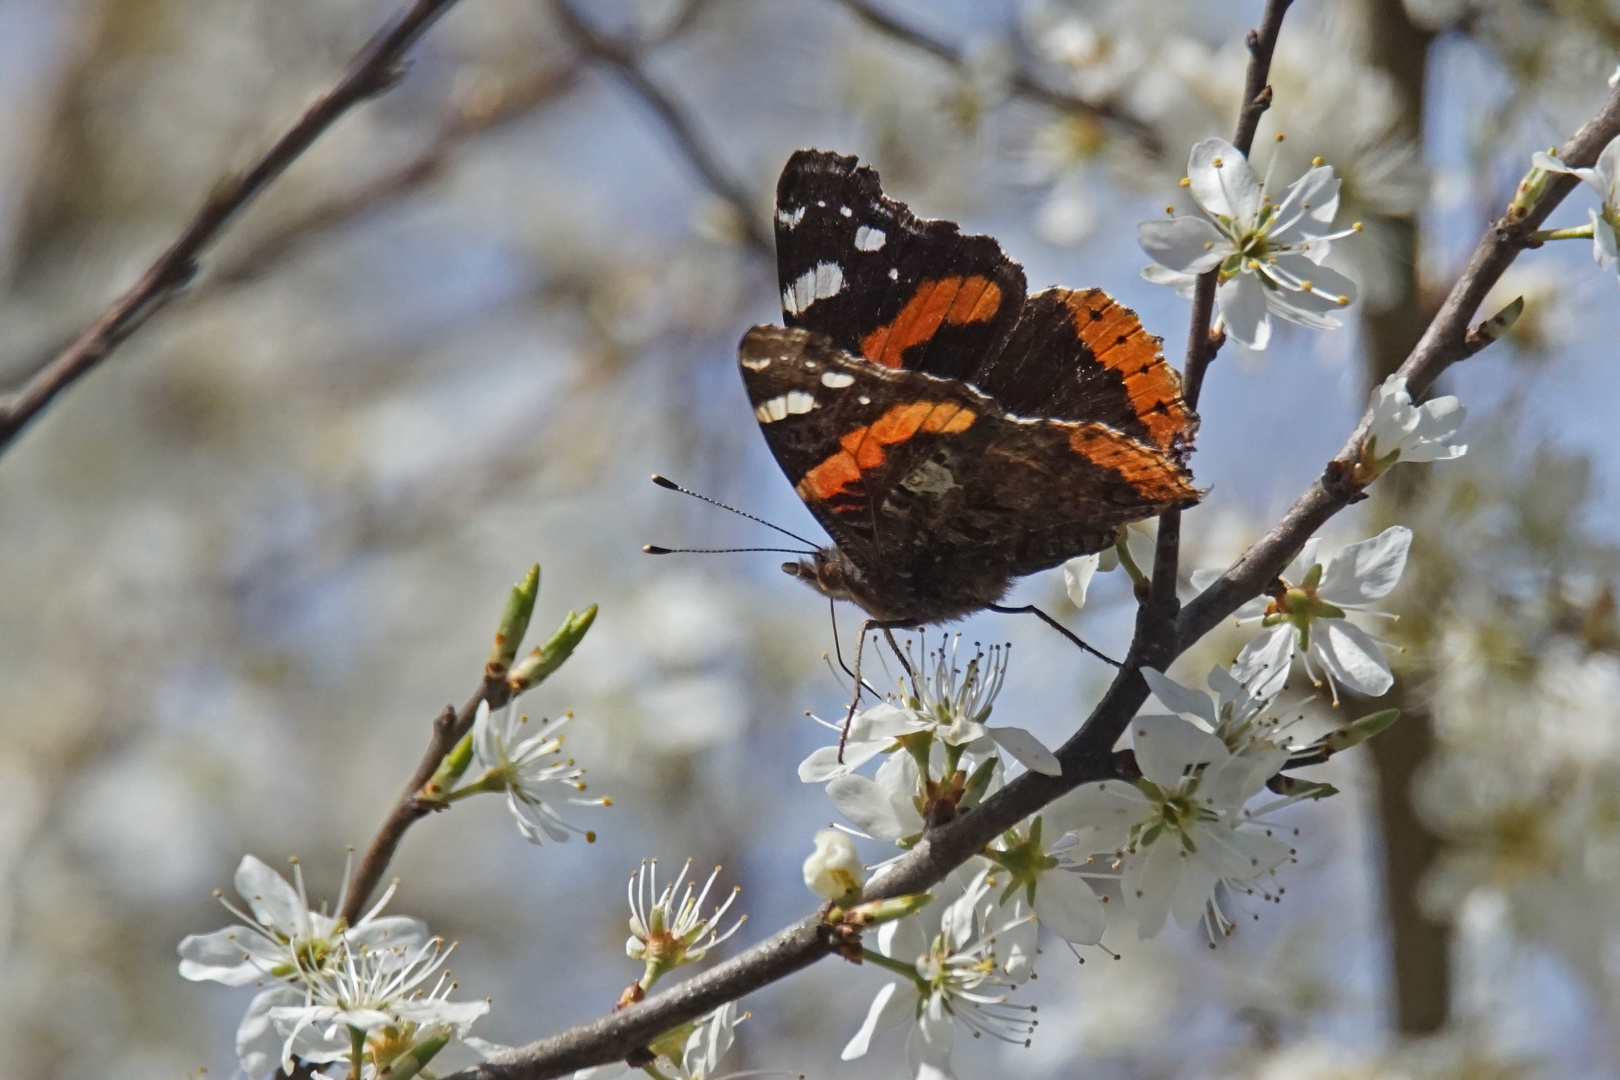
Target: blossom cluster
{"x":1184,"y":831}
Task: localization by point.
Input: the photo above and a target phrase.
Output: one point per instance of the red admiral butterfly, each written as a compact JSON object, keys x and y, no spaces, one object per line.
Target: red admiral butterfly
{"x":949,"y":432}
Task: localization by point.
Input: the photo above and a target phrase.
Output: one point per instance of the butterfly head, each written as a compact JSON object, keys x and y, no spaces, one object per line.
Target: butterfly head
{"x":830,"y":573}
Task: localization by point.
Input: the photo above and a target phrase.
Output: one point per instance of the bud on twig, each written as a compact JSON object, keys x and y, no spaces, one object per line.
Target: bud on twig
{"x":1359,"y":731}
{"x":881,"y":911}
{"x":535,"y":668}
{"x":514,"y":622}
{"x":1528,"y":194}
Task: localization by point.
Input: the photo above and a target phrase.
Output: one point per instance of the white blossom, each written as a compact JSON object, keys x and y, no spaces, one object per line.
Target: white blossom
{"x":523,"y":762}
{"x":381,"y":993}
{"x":1043,"y":876}
{"x":1402,"y":431}
{"x":1269,"y":254}
{"x":886,"y":806}
{"x":1181,"y":834}
{"x":1604,"y":178}
{"x":279,"y":935}
{"x":1239,"y":719}
{"x":834,"y":870}
{"x":667,"y":932}
{"x":1307,"y":612}
{"x":948,"y":971}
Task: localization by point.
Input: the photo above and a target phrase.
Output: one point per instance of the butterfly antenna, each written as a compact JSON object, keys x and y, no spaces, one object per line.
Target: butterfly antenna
{"x":666,"y":482}
{"x":654,"y":549}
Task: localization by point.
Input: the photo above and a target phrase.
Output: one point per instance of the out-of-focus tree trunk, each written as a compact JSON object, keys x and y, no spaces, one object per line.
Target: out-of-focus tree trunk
{"x":1420,"y":964}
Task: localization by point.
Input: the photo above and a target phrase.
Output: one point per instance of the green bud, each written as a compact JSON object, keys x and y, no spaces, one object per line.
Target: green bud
{"x":412,"y":1061}
{"x":514,"y":621}
{"x":882,"y":911}
{"x":1528,"y":194}
{"x":1500,"y":323}
{"x":973,"y":789}
{"x":1359,"y":731}
{"x":449,"y":771}
{"x":535,"y":668}
{"x":1301,"y":789}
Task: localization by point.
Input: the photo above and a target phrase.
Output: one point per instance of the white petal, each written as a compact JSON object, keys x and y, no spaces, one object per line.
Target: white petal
{"x":485,"y":747}
{"x":1193,"y":890}
{"x":872,"y":809}
{"x":1226,"y":190}
{"x":1314,"y":197}
{"x":1351,"y":656}
{"x":1604,"y":241}
{"x":389,"y":931}
{"x":1177,"y":698}
{"x":226,"y":956}
{"x":1366,"y":570}
{"x":273,"y":901}
{"x":1243,"y":308}
{"x":1149,"y":883}
{"x":928,"y":1050}
{"x":1608,"y":170}
{"x":1263,"y":664}
{"x":1435,"y":427}
{"x":1167,"y":747}
{"x":1026,"y":749}
{"x":1187,"y":245}
{"x":823,"y":763}
{"x":258,"y":1044}
{"x":1102,"y":813}
{"x":1065,"y":905}
{"x":889,"y":1008}
{"x":1184,"y":284}
{"x":1077,"y":575}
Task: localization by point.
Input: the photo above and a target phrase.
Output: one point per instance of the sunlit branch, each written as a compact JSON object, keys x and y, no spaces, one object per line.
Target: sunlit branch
{"x":375,"y":69}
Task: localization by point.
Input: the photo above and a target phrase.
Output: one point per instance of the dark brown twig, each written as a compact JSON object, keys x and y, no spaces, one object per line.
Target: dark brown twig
{"x":448,"y":729}
{"x":1087,"y":755}
{"x":1021,"y":82}
{"x":374,"y":70}
{"x":1202,"y":345}
{"x":682,"y":127}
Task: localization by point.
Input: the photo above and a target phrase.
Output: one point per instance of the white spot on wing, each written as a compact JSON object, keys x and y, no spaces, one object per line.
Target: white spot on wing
{"x":864,"y":400}
{"x":823,"y":281}
{"x":870,"y":239}
{"x":894,"y":273}
{"x":791,"y":403}
{"x":846,"y":211}
{"x":758,"y":363}
{"x":836,"y":379}
{"x":789,"y":220}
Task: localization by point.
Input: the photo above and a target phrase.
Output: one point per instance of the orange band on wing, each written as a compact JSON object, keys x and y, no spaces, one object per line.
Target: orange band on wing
{"x":1117,"y":339}
{"x":954,"y":301}
{"x":862,"y":449}
{"x":1153,"y":476}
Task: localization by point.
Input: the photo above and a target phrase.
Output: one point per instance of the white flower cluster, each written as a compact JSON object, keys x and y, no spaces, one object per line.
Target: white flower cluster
{"x":373,"y":995}
{"x":1186,"y":837}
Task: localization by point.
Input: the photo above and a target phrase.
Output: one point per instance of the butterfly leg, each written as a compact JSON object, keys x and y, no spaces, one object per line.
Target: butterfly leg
{"x":1031,"y":609}
{"x":867,"y":626}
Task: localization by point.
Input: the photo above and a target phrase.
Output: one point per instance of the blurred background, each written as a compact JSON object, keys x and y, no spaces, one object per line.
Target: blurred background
{"x":244,"y":564}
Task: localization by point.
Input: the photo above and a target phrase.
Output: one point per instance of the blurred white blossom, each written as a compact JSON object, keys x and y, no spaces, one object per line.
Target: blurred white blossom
{"x":1268,"y":253}
{"x":1603,"y":178}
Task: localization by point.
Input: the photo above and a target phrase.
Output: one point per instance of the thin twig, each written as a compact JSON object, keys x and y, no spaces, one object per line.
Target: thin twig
{"x":1202,"y":343}
{"x":1021,"y":82}
{"x":375,"y":69}
{"x":448,"y":729}
{"x":682,"y":127}
{"x":1087,"y":755}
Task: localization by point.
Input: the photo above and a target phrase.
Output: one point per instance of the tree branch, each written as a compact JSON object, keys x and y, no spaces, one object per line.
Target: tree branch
{"x":682,"y":126}
{"x":448,"y":729}
{"x":374,"y":70}
{"x":1020,"y":82}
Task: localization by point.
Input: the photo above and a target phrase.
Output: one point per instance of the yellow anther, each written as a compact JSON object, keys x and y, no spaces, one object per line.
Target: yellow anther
{"x":1307,"y":286}
{"x":1279,"y":136}
{"x":1170,"y":210}
{"x":1356,"y":226}
{"x":1186,"y":181}
{"x":1218,"y":163}
{"x":1208,"y":244}
{"x":1343,"y":300}
{"x":1316,"y":161}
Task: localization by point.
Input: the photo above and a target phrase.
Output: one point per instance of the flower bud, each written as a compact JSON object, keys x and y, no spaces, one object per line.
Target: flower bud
{"x":882,"y":911}
{"x":514,"y":621}
{"x":834,"y":870}
{"x":1528,"y":194}
{"x":534,"y":669}
{"x":1359,"y":731}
